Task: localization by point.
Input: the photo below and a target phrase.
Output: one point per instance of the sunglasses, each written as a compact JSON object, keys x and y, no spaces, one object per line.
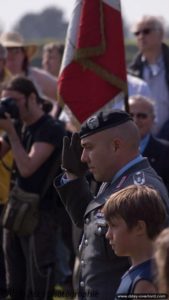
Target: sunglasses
{"x":139,"y":115}
{"x":144,"y":31}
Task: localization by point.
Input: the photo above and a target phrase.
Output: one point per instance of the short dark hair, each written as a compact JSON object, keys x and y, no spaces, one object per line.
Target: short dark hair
{"x":54,"y":46}
{"x":134,"y":203}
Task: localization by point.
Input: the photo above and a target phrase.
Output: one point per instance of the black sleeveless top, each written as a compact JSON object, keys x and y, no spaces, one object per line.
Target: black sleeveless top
{"x":129,"y":280}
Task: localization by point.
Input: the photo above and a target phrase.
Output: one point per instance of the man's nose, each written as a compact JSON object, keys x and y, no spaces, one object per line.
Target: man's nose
{"x":83,"y":156}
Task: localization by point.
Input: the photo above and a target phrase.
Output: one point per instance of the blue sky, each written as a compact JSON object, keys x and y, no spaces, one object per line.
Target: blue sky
{"x":12,"y":10}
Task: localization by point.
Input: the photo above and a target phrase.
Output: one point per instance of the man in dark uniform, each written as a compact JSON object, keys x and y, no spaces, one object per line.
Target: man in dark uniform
{"x":110,"y":144}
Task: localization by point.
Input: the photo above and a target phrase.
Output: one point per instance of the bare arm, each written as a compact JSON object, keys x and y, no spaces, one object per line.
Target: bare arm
{"x":46,"y":82}
{"x":48,"y":86}
{"x":27,"y":163}
{"x":145,"y":287}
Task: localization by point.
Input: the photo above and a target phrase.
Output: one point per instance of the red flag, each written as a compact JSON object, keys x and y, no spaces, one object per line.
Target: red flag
{"x":93,"y":69}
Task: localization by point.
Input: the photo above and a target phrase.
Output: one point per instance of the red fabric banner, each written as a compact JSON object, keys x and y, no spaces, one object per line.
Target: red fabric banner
{"x":93,"y":70}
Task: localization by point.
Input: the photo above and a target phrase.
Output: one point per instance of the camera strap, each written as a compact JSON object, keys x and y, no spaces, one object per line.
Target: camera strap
{"x":6,"y":166}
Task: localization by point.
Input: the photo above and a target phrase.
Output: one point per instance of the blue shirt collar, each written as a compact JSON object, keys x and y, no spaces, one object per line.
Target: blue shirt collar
{"x":139,"y":158}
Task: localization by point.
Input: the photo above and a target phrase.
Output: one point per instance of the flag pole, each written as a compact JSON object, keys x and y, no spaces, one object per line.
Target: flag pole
{"x":126,"y":104}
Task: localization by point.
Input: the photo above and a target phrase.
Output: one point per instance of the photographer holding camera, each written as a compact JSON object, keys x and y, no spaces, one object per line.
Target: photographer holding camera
{"x":30,"y":247}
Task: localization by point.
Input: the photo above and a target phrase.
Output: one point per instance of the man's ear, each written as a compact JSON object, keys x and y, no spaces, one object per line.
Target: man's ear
{"x":116,"y":144}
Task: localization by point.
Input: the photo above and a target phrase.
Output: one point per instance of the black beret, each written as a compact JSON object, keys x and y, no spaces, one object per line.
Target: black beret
{"x":103,"y":120}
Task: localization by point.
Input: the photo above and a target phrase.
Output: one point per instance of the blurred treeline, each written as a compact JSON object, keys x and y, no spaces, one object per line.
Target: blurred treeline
{"x":50,"y":25}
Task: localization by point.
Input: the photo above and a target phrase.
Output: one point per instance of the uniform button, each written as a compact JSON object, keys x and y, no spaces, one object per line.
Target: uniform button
{"x":86,"y":242}
{"x":82,"y":283}
{"x":82,"y":262}
{"x":99,"y":229}
{"x":87,"y":221}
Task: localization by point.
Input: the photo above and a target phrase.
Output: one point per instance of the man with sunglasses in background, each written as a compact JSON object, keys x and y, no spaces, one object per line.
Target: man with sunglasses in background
{"x":152,"y":64}
{"x":155,"y":149}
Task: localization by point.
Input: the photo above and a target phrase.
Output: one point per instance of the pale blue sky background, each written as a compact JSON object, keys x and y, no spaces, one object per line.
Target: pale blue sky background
{"x":12,"y":10}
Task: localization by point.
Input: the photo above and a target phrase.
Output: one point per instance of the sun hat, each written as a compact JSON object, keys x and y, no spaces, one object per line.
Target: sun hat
{"x":14,"y":40}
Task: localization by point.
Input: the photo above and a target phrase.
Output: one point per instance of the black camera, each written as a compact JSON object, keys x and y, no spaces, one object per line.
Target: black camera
{"x":8,"y":105}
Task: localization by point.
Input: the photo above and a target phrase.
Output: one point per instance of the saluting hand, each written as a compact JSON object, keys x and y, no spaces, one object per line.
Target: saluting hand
{"x":71,"y":156}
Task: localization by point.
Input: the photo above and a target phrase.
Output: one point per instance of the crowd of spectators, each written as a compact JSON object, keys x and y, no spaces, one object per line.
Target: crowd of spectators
{"x":102,"y":220}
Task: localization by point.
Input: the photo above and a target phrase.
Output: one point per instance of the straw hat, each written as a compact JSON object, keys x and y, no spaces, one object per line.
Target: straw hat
{"x":14,"y":39}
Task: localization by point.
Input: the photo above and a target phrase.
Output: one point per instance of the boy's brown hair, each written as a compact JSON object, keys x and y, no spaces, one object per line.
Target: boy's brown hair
{"x":134,"y":203}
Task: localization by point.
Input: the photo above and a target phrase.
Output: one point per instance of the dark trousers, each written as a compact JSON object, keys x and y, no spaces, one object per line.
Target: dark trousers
{"x":30,"y":261}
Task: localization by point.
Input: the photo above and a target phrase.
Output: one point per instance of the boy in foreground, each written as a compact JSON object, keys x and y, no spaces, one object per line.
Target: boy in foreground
{"x":135,"y":216}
